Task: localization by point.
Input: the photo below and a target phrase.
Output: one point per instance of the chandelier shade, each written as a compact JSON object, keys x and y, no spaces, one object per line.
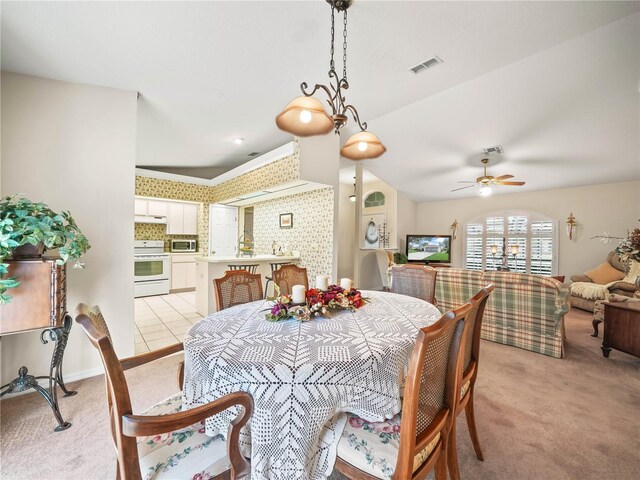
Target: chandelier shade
{"x":363,"y":145}
{"x":304,"y":117}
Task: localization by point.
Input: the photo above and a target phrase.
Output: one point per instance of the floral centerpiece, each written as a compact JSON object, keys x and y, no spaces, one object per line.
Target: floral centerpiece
{"x":318,"y":304}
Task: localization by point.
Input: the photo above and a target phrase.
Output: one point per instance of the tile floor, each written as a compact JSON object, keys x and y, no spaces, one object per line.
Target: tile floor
{"x":163,"y":320}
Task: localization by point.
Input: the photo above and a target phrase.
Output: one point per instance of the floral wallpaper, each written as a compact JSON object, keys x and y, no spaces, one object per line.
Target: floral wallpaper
{"x":311,"y":234}
{"x":154,"y":231}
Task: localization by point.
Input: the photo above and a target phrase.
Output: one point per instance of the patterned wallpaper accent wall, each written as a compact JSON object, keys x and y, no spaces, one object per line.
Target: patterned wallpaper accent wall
{"x":153,"y":231}
{"x":312,"y":232}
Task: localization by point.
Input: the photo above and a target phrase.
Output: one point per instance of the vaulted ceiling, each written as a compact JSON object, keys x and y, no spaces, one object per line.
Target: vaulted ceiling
{"x":556,"y":83}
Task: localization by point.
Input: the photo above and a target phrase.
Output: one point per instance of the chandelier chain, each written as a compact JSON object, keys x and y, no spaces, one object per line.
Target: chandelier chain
{"x":344,"y":47}
{"x":331,"y":63}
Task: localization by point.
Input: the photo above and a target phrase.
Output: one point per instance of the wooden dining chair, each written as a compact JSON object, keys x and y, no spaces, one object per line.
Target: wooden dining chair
{"x":470,"y":356}
{"x":417,"y":281}
{"x":173,"y":443}
{"x":289,"y":275}
{"x":237,"y":287}
{"x":435,"y":373}
{"x":268,"y":279}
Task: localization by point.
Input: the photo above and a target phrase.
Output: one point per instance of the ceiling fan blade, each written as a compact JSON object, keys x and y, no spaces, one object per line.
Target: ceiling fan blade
{"x":503,"y":177}
{"x":467,"y":181}
{"x":462,"y":188}
{"x":515,"y":184}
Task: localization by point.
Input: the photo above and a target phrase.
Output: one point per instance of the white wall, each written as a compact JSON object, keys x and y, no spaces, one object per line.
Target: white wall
{"x":73,"y":147}
{"x":407,"y":214}
{"x":611,"y":208}
{"x":320,"y":163}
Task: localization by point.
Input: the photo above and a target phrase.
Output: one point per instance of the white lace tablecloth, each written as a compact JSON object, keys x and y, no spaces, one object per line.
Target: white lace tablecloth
{"x":303,"y":376}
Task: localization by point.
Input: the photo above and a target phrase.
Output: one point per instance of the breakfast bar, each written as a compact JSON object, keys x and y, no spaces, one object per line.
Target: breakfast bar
{"x":210,"y":268}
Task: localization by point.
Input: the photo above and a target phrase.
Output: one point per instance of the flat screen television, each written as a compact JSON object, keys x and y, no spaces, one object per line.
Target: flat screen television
{"x":429,"y":248}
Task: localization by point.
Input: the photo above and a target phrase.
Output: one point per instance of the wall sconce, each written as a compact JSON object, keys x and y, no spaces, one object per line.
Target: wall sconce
{"x":454,"y":229}
{"x":571,"y":224}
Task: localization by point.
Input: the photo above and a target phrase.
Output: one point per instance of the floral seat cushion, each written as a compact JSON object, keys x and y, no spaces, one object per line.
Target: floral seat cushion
{"x":186,"y":454}
{"x":373,"y":446}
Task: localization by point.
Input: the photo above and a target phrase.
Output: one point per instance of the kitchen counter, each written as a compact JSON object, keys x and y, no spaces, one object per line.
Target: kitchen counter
{"x":254,"y":259}
{"x":210,"y":268}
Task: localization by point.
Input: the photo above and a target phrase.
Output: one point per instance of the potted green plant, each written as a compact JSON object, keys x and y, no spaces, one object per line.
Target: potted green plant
{"x":28,"y":229}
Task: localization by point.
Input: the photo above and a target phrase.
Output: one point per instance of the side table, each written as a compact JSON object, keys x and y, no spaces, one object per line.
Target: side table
{"x":621,"y":328}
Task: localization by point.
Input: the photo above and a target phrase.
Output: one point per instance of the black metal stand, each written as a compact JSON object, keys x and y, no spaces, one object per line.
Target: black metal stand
{"x":24,"y":382}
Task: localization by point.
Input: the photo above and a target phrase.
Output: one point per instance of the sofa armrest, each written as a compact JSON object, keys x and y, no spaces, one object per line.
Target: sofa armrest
{"x":627,"y":287}
{"x":580,"y":278}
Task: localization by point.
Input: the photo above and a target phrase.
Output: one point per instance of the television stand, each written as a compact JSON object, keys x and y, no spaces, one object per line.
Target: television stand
{"x":437,"y":265}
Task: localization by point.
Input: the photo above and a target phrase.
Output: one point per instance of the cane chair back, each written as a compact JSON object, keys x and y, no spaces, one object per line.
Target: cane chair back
{"x":472,"y":340}
{"x":125,"y":426}
{"x":415,"y":281}
{"x":96,"y":317}
{"x":465,"y":394}
{"x":244,"y":266}
{"x":289,"y":275}
{"x":434,"y":376}
{"x":237,"y":287}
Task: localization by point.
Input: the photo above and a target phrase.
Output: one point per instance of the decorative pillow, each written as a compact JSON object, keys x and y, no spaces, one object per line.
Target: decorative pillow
{"x":604,"y":273}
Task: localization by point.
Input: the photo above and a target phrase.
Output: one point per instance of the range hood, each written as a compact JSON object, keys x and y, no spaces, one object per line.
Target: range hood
{"x":150,"y":219}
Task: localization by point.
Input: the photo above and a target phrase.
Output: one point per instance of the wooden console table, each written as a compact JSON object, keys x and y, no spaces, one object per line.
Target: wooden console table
{"x":621,"y":328}
{"x":39,"y":303}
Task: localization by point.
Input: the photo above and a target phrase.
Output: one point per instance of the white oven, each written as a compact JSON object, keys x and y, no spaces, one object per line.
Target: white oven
{"x":151,"y":268}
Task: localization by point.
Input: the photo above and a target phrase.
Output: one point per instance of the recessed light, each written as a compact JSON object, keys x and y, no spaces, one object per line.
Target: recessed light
{"x":238,"y":140}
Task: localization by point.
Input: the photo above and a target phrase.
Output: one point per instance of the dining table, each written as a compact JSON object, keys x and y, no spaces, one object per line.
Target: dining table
{"x":304,"y":376}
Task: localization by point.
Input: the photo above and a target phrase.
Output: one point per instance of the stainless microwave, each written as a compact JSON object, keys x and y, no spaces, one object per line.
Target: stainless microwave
{"x":182,"y":245}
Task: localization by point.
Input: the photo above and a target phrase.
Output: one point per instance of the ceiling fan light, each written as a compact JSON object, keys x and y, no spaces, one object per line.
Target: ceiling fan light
{"x":485,"y":191}
{"x":304,"y":117}
{"x":362,"y":145}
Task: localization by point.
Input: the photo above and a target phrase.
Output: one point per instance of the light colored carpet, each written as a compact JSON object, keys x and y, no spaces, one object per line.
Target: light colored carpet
{"x":538,"y":417}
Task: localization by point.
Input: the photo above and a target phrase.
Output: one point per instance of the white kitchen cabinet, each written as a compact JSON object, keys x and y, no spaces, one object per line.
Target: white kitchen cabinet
{"x":190,"y":219}
{"x":182,"y":219}
{"x":175,"y":220}
{"x":141,"y":206}
{"x":183,"y":272}
{"x":157,"y":208}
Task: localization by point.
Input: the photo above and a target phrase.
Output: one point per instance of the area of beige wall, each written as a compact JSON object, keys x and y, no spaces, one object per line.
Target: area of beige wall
{"x":611,"y":208}
{"x":73,"y":147}
{"x":346,"y":233}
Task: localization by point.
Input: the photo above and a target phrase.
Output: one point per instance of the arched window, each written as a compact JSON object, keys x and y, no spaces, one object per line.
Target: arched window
{"x":493,"y":235}
{"x":374,"y":199}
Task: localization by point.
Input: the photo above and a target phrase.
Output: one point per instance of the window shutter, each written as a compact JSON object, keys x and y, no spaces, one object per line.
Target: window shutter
{"x":474,"y":246}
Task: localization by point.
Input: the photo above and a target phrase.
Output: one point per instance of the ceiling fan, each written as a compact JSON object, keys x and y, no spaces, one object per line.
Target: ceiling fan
{"x":485,"y":181}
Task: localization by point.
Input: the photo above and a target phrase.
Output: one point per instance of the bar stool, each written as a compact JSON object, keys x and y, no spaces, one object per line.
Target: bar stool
{"x":274,"y":267}
{"x":244,"y":266}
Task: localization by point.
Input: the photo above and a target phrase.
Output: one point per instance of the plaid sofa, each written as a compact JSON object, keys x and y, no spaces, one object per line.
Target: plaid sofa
{"x":525,"y":311}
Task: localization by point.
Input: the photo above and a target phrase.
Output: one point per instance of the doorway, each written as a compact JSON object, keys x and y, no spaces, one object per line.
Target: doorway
{"x":223,"y":231}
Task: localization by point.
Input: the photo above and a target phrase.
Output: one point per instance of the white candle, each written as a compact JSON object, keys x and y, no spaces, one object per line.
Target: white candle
{"x":345,"y":283}
{"x":298,"y":294}
{"x":322,"y":282}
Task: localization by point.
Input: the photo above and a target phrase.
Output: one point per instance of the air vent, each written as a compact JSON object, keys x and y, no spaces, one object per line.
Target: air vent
{"x":433,"y":61}
{"x":253,"y":154}
{"x":496,"y":149}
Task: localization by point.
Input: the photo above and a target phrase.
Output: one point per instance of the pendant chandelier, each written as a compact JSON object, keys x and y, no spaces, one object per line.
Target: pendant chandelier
{"x":305,"y":116}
